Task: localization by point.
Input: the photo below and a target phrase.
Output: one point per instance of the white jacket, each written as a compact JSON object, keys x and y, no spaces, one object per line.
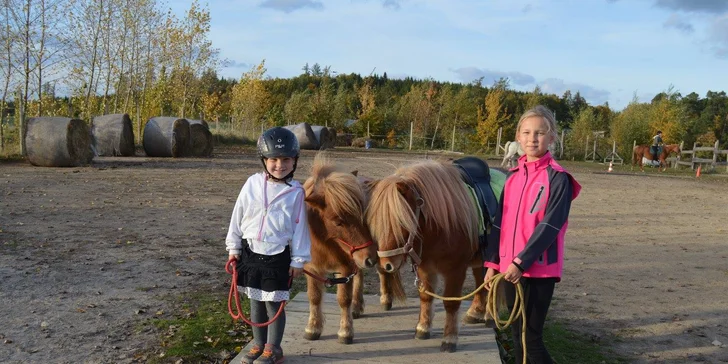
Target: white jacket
{"x":280,"y":222}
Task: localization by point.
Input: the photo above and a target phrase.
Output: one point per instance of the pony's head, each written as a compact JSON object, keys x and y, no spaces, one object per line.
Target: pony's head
{"x":336,"y":202}
{"x":392,"y":218}
{"x":418,"y":207}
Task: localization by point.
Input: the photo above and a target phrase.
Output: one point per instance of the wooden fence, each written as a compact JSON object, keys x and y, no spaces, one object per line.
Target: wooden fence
{"x":714,"y":162}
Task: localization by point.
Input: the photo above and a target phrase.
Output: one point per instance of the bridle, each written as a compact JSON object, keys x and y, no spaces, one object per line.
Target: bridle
{"x":408,"y":247}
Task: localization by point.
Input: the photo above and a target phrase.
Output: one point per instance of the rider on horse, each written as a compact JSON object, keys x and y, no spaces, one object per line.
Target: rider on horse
{"x":656,"y":147}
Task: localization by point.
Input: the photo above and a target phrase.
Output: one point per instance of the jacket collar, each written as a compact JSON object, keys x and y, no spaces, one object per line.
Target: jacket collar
{"x":541,"y":163}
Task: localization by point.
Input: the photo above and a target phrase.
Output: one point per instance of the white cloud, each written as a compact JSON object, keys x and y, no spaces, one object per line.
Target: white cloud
{"x":677,"y":22}
{"x":469,"y":74}
{"x":718,"y":35}
{"x":705,"y":6}
{"x":557,"y":86}
{"x":289,"y":6}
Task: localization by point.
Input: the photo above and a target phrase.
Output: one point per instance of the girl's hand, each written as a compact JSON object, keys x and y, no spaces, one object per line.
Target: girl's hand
{"x":234,"y":256}
{"x":512,"y":274}
{"x":488,"y":275}
{"x":295,"y":272}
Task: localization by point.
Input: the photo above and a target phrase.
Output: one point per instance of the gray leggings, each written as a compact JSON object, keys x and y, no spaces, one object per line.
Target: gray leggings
{"x":262,"y":311}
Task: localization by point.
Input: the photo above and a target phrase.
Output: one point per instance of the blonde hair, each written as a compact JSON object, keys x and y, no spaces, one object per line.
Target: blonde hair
{"x":544,"y":113}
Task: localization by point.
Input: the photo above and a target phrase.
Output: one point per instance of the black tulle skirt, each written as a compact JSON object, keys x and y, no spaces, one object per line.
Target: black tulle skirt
{"x":264,"y":277}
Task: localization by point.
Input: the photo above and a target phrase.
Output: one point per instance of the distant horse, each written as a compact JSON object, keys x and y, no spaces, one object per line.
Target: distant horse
{"x":426,"y":210}
{"x":642,"y":153}
{"x":340,"y":243}
{"x":513,"y":150}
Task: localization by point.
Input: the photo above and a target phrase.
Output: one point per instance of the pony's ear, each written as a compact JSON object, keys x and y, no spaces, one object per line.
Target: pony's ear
{"x":402,"y":188}
{"x":355,"y":172}
{"x":316,"y":201}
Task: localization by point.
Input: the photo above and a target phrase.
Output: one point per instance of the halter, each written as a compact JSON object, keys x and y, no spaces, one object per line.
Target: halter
{"x":353,"y":248}
{"x":408,"y":247}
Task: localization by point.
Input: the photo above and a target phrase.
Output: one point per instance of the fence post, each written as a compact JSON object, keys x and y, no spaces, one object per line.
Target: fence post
{"x":692,"y":160}
{"x":586,"y":149}
{"x":412,"y":131}
{"x":498,"y":141}
{"x":452,"y":144}
{"x":715,"y":154}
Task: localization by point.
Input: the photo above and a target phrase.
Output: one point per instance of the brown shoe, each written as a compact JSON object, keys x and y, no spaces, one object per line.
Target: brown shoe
{"x":255,"y":352}
{"x":271,"y":355}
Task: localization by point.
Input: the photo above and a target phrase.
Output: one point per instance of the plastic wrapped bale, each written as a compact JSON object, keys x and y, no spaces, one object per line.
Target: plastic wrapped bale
{"x":166,"y":137}
{"x":332,"y":135}
{"x":201,"y":144}
{"x":322,"y":136}
{"x":304,"y":134}
{"x":114,"y":135}
{"x":58,"y":142}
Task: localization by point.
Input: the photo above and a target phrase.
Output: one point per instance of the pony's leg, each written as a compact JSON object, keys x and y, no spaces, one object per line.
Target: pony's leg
{"x":385,"y":290}
{"x":316,"y":316}
{"x":424,"y":325}
{"x":476,"y":313}
{"x":357,"y":305}
{"x":346,"y":325}
{"x":453,"y":287}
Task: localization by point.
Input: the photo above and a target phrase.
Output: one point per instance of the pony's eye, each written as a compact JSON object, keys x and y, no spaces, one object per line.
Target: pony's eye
{"x":338,"y":222}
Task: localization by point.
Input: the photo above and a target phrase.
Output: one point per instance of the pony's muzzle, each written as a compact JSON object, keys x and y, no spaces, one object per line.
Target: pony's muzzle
{"x":388,"y":267}
{"x":369,"y":262}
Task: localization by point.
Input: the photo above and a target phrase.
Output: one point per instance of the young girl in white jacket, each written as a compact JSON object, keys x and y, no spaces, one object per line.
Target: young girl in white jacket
{"x":269,"y":238}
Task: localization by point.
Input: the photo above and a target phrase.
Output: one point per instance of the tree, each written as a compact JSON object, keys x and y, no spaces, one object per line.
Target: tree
{"x":493,"y":113}
{"x":251,"y":100}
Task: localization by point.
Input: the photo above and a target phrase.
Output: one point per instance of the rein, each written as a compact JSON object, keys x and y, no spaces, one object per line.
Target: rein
{"x":234,"y":296}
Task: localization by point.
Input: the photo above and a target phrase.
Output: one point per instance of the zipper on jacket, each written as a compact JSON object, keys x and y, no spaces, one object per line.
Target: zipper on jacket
{"x":538,"y":198}
{"x":518,"y":213}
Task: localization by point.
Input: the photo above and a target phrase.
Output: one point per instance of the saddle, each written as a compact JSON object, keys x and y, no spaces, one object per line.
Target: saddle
{"x":475,"y":173}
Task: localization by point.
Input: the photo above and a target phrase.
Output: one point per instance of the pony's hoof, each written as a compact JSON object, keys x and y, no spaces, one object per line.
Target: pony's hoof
{"x":356,"y":314}
{"x":346,"y":340}
{"x":312,"y":336}
{"x":422,"y":335}
{"x":387,"y":306}
{"x":490,"y":323}
{"x":448,"y":347}
{"x":469,"y":320}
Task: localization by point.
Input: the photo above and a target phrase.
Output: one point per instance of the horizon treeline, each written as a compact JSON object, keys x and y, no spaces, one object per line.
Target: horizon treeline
{"x":83,"y":58}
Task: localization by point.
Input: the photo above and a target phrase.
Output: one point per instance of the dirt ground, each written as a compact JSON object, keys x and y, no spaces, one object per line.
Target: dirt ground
{"x":89,"y":254}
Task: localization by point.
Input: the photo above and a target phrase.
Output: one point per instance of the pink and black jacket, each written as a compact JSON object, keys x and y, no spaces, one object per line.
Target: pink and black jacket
{"x":532,"y":218}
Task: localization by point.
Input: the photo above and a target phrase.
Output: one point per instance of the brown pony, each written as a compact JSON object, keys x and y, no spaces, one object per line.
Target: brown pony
{"x":340,"y":243}
{"x":644,"y":151}
{"x":427,"y":206}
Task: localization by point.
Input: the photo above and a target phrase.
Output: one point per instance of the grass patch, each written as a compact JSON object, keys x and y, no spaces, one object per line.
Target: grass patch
{"x":202,"y":331}
{"x":564,"y":346}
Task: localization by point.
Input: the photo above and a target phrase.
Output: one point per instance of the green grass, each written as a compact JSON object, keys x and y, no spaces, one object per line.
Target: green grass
{"x":564,"y":346}
{"x":201,"y":330}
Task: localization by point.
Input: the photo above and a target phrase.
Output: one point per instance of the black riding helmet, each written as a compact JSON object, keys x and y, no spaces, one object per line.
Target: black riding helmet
{"x":278,"y":142}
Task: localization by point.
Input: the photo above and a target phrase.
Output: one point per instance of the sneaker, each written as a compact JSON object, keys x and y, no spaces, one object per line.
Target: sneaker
{"x":271,"y":355}
{"x":255,"y":352}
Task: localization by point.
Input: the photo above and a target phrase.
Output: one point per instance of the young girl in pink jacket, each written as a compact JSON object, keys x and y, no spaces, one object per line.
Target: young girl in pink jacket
{"x":526,"y":242}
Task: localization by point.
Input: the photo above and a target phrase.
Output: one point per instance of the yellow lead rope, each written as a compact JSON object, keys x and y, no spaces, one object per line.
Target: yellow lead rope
{"x":491,"y":306}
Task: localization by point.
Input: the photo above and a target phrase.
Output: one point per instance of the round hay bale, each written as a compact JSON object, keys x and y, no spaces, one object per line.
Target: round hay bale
{"x":58,"y":142}
{"x":304,"y":134}
{"x":166,"y":136}
{"x":332,"y":134}
{"x":322,"y":136}
{"x":114,"y":135}
{"x":361,"y":142}
{"x":201,"y":144}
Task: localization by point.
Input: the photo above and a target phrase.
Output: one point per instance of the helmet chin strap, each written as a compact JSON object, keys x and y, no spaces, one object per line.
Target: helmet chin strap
{"x":285,"y":179}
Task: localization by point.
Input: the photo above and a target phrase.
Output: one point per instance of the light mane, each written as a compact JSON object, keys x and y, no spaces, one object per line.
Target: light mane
{"x":341,"y":190}
{"x":447,"y":204}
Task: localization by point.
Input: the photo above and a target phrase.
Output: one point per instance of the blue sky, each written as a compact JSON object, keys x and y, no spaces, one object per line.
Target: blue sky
{"x":609,"y":50}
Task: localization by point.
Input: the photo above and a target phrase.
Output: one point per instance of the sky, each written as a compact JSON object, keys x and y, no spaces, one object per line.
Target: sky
{"x":608,"y":50}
